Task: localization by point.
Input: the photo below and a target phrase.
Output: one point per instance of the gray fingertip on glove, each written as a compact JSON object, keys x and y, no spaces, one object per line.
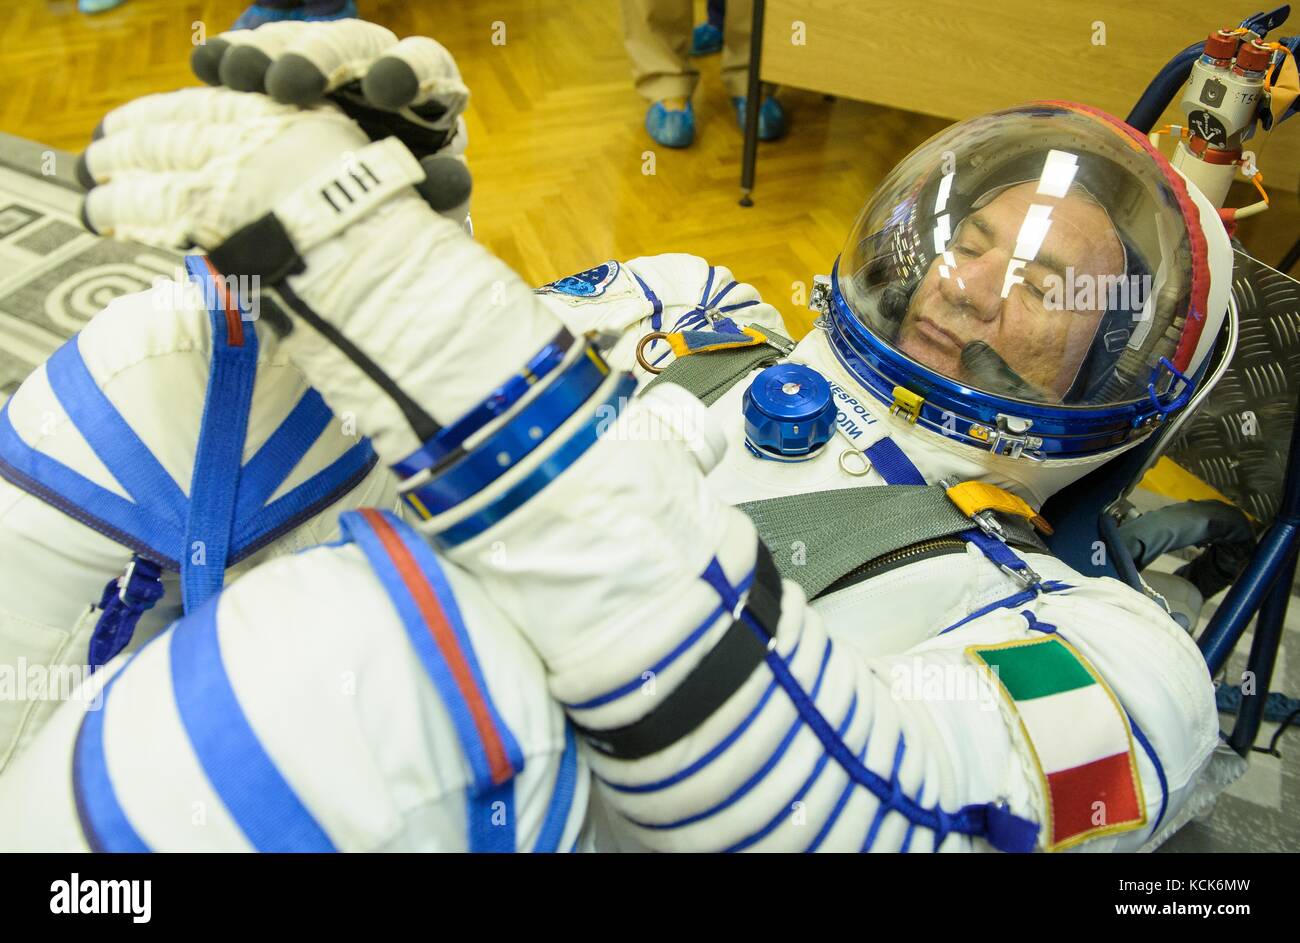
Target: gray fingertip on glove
{"x":206,"y":58}
{"x":83,"y":175}
{"x":244,"y":69}
{"x":295,"y":80}
{"x":447,"y":184}
{"x":391,"y":83}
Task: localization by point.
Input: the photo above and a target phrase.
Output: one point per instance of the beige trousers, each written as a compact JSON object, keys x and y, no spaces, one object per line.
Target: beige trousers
{"x":657,"y":34}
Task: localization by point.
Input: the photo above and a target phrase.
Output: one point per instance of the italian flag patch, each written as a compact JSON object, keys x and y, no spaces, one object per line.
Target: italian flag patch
{"x":1078,"y":734}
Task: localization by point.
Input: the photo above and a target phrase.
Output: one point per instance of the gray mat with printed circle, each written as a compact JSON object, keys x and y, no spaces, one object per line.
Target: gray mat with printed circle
{"x":54,"y":275}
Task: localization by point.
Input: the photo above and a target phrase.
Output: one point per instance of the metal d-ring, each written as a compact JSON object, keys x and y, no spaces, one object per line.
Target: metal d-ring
{"x":844,"y":467}
{"x":852,"y":450}
{"x":640,"y":351}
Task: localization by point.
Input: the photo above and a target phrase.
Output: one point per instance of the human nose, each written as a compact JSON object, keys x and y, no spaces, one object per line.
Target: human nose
{"x":975,"y":284}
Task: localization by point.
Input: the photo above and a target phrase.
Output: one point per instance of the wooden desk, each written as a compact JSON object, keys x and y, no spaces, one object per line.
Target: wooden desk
{"x":959,"y":58}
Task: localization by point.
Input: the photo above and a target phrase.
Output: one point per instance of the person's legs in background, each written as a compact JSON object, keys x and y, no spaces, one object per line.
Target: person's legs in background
{"x":735,"y":72}
{"x":271,"y":11}
{"x":98,"y":6}
{"x":707,"y":38}
{"x":657,"y":34}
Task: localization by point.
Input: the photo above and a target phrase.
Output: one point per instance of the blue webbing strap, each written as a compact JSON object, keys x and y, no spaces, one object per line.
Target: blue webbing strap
{"x":656,"y":310}
{"x":656,"y":306}
{"x":103,"y":821}
{"x":111,"y":438}
{"x":996,"y":550}
{"x":1010,"y":602}
{"x":225,"y":510}
{"x":897,"y":469}
{"x":123,"y":521}
{"x":149,"y":525}
{"x":479,"y":726}
{"x":280,"y":454}
{"x":255,"y":793}
{"x":309,"y":498}
{"x":131,"y":463}
{"x":562,"y":795}
{"x":892,"y":463}
{"x":218,"y":463}
{"x":228,"y":502}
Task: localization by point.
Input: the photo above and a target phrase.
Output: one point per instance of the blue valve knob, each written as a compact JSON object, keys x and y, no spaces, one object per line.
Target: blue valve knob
{"x":789,"y":413}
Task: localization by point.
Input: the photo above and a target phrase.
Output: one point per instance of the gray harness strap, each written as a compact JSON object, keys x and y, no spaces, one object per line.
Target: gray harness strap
{"x":819,"y":537}
{"x":708,"y":377}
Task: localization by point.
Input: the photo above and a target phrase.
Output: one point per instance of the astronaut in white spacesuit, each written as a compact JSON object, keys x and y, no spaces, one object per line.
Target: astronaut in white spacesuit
{"x":405,"y":691}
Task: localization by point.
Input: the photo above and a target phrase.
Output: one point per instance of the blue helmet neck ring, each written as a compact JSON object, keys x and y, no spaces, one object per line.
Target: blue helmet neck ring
{"x":1019,"y":429}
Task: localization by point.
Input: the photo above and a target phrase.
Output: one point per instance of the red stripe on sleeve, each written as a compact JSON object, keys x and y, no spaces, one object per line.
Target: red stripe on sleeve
{"x":443,"y":636}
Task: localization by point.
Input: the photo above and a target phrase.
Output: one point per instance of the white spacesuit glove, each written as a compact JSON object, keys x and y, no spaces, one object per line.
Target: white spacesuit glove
{"x":301,"y":201}
{"x":410,"y":88}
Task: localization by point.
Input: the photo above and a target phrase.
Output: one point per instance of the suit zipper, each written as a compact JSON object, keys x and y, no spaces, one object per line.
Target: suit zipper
{"x":935,"y":547}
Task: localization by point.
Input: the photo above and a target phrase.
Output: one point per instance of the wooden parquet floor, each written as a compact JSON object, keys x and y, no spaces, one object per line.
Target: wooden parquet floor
{"x":557,"y":146}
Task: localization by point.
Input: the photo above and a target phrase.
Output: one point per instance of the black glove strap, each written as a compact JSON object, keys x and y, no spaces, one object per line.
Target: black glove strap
{"x":262,"y":248}
{"x":713,"y":681}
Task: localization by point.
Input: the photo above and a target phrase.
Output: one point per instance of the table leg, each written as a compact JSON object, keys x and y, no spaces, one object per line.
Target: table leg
{"x":752,"y":103}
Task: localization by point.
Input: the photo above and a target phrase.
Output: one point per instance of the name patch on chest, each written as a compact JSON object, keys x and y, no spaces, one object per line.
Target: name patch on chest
{"x":852,"y":417}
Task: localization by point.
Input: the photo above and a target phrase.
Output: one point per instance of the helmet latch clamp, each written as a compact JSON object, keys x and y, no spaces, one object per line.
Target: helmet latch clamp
{"x":1012,"y":438}
{"x":1172,"y":400}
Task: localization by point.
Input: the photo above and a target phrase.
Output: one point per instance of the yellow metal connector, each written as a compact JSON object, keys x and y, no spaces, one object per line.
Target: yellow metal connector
{"x":906,"y":404}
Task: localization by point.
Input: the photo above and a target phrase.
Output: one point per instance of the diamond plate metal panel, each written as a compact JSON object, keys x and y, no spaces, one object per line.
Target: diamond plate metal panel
{"x":1238,"y":440}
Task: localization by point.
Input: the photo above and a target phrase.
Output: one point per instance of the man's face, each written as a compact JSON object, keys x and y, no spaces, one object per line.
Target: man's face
{"x":972,"y":292}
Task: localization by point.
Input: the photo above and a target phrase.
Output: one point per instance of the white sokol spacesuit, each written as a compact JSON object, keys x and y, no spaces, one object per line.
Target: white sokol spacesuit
{"x":582,"y":560}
